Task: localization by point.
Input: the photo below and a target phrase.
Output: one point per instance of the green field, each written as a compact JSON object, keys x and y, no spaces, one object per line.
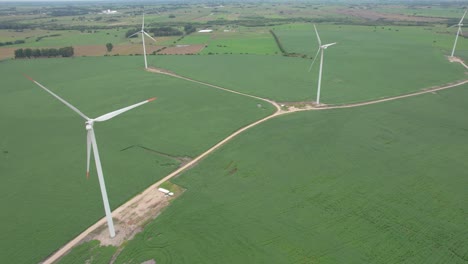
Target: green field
{"x":234,"y":40}
{"x":364,"y":65}
{"x":383,"y":183}
{"x":46,"y":198}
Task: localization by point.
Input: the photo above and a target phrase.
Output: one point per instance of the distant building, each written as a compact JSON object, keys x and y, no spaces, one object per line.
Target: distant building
{"x":108,"y":11}
{"x":205,"y":31}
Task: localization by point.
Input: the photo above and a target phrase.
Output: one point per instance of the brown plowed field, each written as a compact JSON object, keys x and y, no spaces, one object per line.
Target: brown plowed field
{"x":6,"y":53}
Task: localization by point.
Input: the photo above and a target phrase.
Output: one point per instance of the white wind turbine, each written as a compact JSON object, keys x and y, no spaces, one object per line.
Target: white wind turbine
{"x":91,"y":144}
{"x":458,"y":32}
{"x":143,"y":33}
{"x":321,"y":48}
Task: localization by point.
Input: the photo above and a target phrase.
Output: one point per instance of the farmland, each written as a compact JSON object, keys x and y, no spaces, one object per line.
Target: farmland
{"x":52,"y":189}
{"x":323,"y":187}
{"x":254,"y":182}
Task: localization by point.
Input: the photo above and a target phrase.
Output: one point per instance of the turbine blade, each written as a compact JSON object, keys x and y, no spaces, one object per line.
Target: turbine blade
{"x":88,"y":152}
{"x":143,"y":22}
{"x":318,"y":37}
{"x":461,"y":20}
{"x":120,"y":111}
{"x":328,"y":45}
{"x":144,"y":32}
{"x":316,"y":55}
{"x":133,"y":34}
{"x":60,"y":99}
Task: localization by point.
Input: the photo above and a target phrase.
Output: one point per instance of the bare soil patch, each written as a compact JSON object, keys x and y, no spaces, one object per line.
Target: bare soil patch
{"x":131,"y":219}
{"x":182,"y":49}
{"x":7,"y":53}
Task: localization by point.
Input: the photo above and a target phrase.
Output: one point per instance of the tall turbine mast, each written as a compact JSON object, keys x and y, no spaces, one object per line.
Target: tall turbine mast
{"x":320,"y":49}
{"x":91,"y":144}
{"x":460,"y":24}
{"x":143,"y":33}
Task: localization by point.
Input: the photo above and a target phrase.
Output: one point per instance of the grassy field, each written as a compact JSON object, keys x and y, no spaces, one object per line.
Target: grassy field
{"x":378,"y":184}
{"x":234,"y":40}
{"x":363,"y":65}
{"x":46,"y":197}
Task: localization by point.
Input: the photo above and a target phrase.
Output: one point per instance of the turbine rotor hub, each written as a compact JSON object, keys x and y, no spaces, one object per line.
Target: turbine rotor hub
{"x":89,"y":124}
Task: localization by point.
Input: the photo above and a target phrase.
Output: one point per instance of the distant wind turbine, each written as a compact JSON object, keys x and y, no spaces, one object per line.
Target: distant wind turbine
{"x":91,"y":144}
{"x":143,"y":33}
{"x":458,"y":32}
{"x":321,"y":48}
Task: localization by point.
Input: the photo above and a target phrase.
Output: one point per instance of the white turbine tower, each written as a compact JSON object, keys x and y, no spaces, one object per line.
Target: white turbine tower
{"x":458,"y":32}
{"x":91,"y":144}
{"x":320,"y":49}
{"x":143,"y":33}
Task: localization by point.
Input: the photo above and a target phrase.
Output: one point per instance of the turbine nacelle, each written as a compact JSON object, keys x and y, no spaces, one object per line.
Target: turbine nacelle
{"x":89,"y":124}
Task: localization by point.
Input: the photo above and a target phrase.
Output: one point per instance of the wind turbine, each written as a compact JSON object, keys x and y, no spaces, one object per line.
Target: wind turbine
{"x":320,"y":49}
{"x":91,"y":144}
{"x":143,"y":33}
{"x":458,"y":32}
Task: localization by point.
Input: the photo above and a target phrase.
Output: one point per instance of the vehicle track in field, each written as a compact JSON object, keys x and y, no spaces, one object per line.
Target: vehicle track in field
{"x":150,"y":193}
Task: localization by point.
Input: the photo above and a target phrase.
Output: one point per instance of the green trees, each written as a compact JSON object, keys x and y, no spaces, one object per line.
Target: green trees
{"x":19,"y":53}
{"x":165,"y":31}
{"x":28,"y":53}
{"x":130,"y":32}
{"x":109,"y":47}
{"x":189,"y":29}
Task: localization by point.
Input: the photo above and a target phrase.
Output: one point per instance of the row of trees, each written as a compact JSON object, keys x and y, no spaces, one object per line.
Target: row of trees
{"x":20,"y":41}
{"x":164,"y":31}
{"x":36,"y":53}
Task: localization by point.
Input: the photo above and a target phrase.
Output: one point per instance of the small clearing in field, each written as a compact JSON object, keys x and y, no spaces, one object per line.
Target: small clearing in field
{"x":294,"y":106}
{"x":131,"y":219}
{"x":6,"y":53}
{"x":183,"y":49}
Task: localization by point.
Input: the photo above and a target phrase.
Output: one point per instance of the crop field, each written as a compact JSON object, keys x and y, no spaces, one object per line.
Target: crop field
{"x":360,"y":67}
{"x":47,"y":199}
{"x":323,"y":187}
{"x":381,"y":183}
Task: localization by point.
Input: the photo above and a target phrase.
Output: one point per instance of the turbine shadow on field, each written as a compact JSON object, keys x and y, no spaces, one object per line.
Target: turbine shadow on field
{"x":183,"y":160}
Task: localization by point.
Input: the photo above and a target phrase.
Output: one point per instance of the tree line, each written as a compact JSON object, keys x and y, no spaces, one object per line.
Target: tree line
{"x":36,"y":53}
{"x":164,"y":31}
{"x":20,"y":41}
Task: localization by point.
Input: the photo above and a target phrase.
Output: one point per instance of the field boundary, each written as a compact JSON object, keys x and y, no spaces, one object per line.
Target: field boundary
{"x":279,"y":111}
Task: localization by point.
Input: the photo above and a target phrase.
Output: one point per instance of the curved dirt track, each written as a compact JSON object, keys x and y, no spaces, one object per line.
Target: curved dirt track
{"x":153,"y":188}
